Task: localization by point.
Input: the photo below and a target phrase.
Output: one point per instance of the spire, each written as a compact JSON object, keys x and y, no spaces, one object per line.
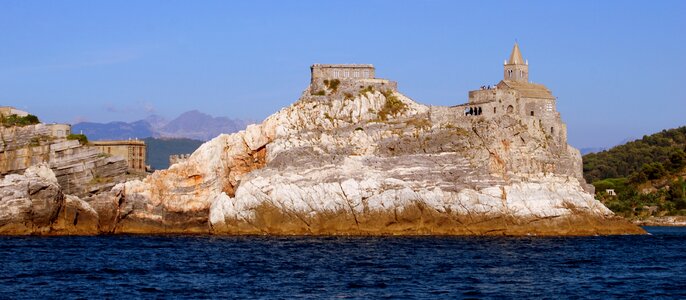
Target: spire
{"x":516,"y":56}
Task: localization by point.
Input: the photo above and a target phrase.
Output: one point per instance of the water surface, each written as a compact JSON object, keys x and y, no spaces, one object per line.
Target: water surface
{"x":345,"y":267}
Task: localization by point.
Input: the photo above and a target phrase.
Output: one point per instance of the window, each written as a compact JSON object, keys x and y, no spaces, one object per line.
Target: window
{"x":356,"y":74}
{"x":494,"y":110}
{"x":532,"y":113}
{"x":347,"y":74}
{"x":335,"y":73}
{"x":366,"y":73}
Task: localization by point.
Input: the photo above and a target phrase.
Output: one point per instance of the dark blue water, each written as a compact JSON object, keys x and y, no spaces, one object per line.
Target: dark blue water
{"x":344,"y":267}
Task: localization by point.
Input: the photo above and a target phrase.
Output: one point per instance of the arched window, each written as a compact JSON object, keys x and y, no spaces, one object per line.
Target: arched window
{"x":510,"y":109}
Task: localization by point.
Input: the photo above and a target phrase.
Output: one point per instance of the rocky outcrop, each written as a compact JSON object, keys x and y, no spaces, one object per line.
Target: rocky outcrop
{"x":80,"y":170}
{"x":342,"y":164}
{"x":33,"y":203}
{"x":353,"y":158}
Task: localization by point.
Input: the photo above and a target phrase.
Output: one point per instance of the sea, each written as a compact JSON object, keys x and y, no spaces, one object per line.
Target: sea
{"x":266,"y":267}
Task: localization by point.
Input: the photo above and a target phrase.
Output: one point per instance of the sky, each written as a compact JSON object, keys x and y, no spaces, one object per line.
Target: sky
{"x":617,"y":67}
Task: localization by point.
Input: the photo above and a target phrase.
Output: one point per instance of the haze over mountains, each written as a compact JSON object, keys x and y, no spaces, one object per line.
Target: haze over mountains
{"x":191,"y":124}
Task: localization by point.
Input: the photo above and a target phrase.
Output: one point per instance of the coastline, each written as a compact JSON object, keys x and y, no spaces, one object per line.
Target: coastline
{"x":671,"y":221}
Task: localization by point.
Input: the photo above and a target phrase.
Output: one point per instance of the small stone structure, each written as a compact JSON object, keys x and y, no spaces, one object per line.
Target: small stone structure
{"x":60,"y":131}
{"x":134,"y":151}
{"x":177,"y":158}
{"x":346,"y":80}
{"x":9,"y":110}
{"x":610,"y":192}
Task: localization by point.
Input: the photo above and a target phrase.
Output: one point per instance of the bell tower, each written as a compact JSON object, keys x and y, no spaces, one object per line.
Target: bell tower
{"x":516,"y":69}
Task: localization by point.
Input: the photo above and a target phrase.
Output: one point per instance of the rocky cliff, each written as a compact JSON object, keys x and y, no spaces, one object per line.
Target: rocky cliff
{"x":361,"y":158}
{"x":80,"y":170}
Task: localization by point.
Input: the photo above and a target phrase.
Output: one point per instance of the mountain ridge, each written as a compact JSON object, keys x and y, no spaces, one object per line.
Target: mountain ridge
{"x":192,"y":124}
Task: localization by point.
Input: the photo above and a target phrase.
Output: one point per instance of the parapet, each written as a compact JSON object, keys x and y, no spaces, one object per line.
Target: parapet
{"x":342,"y":71}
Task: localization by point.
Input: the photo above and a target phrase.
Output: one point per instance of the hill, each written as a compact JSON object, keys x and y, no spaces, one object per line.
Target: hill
{"x":114,"y":130}
{"x":193,"y":125}
{"x":159,"y":150}
{"x":646,"y":174}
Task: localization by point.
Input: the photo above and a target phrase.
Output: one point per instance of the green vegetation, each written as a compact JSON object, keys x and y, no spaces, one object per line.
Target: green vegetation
{"x":319,"y":93}
{"x":645,"y":159}
{"x":393,"y":106}
{"x":368,"y":89}
{"x":348,"y":96}
{"x":14,"y":120}
{"x":332,"y":84}
{"x":647,"y":175}
{"x":79,"y":137}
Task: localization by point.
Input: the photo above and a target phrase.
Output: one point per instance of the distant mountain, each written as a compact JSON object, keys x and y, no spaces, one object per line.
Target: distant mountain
{"x":191,"y":125}
{"x":114,"y":130}
{"x":159,"y":150}
{"x":196,"y":125}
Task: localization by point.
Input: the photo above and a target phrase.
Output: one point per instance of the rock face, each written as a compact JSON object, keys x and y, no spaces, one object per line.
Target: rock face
{"x":33,"y":203}
{"x":80,"y":170}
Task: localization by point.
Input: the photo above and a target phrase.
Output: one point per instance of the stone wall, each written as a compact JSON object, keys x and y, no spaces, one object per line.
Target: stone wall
{"x":342,"y":71}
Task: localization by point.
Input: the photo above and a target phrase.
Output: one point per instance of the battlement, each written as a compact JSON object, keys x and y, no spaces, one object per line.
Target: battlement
{"x":177,"y":158}
{"x":342,"y":71}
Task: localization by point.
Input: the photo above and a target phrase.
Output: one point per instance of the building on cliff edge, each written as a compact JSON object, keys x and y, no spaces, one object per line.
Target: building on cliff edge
{"x":134,"y":151}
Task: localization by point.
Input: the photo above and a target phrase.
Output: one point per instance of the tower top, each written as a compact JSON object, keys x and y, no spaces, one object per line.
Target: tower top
{"x":516,"y":56}
{"x":516,"y":69}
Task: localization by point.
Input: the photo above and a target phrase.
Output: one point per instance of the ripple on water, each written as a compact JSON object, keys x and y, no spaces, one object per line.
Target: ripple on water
{"x":347,"y":267}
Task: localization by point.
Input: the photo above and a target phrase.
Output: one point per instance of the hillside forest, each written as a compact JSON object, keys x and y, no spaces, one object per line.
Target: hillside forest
{"x":647,"y":175}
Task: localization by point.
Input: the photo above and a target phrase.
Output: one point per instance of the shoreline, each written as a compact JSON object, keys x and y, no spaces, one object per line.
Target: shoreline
{"x":666,"y":221}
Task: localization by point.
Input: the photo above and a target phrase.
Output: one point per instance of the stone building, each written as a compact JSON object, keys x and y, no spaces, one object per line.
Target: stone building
{"x":342,"y":71}
{"x":515,"y":94}
{"x":60,"y":131}
{"x":9,"y":110}
{"x":134,"y":151}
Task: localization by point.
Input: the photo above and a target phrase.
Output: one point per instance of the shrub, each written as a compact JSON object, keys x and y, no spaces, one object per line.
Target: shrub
{"x":79,"y":137}
{"x":392,"y":107}
{"x":332,"y":84}
{"x":319,"y":93}
{"x":14,"y":120}
{"x":368,"y":89}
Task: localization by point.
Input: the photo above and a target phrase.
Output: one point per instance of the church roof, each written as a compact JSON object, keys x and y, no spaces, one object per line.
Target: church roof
{"x":528,"y":90}
{"x":516,"y":56}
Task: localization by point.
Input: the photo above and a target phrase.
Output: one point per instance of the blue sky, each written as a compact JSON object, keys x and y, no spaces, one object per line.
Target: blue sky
{"x":617,"y":67}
